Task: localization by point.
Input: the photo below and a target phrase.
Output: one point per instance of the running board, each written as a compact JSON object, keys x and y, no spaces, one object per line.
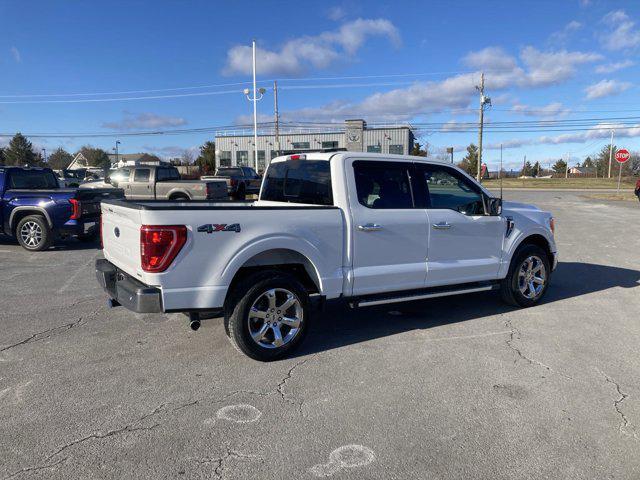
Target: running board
{"x":439,"y":292}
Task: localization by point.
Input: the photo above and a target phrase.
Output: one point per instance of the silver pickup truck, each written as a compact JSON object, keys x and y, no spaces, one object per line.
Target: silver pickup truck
{"x":163,"y":182}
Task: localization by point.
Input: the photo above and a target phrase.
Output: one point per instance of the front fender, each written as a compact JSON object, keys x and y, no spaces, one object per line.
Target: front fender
{"x":523,"y":229}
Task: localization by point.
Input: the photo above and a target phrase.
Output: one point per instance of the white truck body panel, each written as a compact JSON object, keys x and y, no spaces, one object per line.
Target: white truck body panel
{"x":344,"y":252}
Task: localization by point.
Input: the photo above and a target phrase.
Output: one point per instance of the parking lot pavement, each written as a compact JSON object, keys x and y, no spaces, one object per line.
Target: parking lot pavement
{"x":456,"y":388}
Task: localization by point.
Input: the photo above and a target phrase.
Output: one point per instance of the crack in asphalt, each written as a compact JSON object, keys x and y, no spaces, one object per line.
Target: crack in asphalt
{"x":93,"y":436}
{"x":43,"y":335}
{"x":625,"y":425}
{"x":514,"y":334}
{"x":283,"y":382}
{"x":37,"y":468}
{"x":220,"y":462}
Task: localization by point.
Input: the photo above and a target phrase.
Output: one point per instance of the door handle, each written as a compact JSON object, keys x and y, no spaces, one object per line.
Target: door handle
{"x":370,"y":227}
{"x":441,"y":226}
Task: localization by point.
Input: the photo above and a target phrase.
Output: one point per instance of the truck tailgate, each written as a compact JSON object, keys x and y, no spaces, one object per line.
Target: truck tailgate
{"x":121,"y":237}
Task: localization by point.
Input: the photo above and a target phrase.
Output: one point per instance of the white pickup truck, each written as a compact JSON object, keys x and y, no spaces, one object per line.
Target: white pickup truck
{"x":367,"y":228}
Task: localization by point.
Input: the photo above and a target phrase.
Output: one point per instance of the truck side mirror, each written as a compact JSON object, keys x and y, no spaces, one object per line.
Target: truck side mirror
{"x":494,"y":206}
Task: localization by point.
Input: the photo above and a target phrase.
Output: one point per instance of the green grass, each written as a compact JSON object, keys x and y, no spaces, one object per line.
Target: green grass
{"x":594,"y":183}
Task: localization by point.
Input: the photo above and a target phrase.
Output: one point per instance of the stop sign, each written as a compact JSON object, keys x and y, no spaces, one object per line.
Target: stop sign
{"x":622,"y":155}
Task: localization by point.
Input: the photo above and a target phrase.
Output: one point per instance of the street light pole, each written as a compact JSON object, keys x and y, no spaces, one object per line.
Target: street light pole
{"x":44,"y":155}
{"x":117,"y":155}
{"x":255,"y":106}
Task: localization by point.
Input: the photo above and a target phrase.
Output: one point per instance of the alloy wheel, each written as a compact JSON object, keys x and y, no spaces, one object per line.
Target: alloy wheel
{"x":532,"y":277}
{"x":275,"y":318}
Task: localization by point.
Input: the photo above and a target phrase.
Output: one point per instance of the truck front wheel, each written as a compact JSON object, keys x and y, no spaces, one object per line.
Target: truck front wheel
{"x":33,"y":233}
{"x":528,"y":277}
{"x":268,"y":315}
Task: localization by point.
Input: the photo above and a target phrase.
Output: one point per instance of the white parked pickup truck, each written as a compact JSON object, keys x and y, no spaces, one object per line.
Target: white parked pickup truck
{"x":367,"y":228}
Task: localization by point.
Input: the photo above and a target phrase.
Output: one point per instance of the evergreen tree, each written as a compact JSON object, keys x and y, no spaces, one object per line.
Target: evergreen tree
{"x":419,"y":151}
{"x":96,"y":157}
{"x":602,"y":160}
{"x":20,"y":151}
{"x":470,"y":162}
{"x":2,"y":160}
{"x":527,"y":170}
{"x":60,"y":159}
{"x":560,"y":167}
{"x":536,"y":169}
{"x":207,"y":158}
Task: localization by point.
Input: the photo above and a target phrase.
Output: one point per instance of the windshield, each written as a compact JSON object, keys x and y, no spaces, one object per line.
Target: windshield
{"x":33,"y":179}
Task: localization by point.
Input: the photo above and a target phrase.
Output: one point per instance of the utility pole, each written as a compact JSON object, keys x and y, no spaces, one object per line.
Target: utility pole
{"x":566,"y":171}
{"x":483,"y":101}
{"x":610,"y":153}
{"x":276,"y":115}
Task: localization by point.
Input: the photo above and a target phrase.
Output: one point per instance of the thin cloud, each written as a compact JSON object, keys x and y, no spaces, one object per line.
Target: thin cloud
{"x":621,"y":32}
{"x":551,"y":110}
{"x":336,"y":13}
{"x":310,"y":52}
{"x":614,"y":67}
{"x":563,"y":35}
{"x":606,"y":88}
{"x":131,"y":121}
{"x":16,"y":54}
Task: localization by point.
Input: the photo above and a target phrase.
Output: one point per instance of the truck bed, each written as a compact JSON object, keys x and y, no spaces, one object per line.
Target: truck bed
{"x":199,"y":276}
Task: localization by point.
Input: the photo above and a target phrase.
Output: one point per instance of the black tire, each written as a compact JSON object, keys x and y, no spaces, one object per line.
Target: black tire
{"x":241,"y":193}
{"x":39,"y":236}
{"x":180,"y":198}
{"x":254,"y":290}
{"x":510,"y":286}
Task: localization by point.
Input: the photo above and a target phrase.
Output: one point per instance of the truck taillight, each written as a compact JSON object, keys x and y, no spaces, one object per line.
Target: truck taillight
{"x":159,"y":245}
{"x":76,"y":209}
{"x":233,"y":182}
{"x":210,"y":192}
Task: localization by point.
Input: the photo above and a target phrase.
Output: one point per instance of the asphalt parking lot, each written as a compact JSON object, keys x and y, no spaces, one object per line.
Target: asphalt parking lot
{"x":456,"y":388}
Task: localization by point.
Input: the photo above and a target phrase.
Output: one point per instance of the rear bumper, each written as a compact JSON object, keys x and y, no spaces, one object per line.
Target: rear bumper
{"x":80,"y":227}
{"x":126,"y":290}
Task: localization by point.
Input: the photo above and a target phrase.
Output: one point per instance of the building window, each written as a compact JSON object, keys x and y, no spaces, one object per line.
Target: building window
{"x":374,"y":148}
{"x":273,"y":154}
{"x":261,"y":161}
{"x":329,"y":145}
{"x":396,"y":149}
{"x":300,"y":145}
{"x":242,"y":158}
{"x":225,"y":158}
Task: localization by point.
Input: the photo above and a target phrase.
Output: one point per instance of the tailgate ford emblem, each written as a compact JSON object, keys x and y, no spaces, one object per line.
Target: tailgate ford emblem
{"x":116,"y":232}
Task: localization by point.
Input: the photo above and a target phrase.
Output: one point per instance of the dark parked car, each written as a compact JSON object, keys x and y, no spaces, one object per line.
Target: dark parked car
{"x":241,"y":181}
{"x":35,"y":210}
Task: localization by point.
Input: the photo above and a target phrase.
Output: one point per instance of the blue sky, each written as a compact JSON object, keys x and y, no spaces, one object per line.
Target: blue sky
{"x":412,"y":61}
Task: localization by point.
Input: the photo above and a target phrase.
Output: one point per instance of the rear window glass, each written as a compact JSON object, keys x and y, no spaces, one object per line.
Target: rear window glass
{"x":232,"y":172}
{"x":295,"y":181}
{"x":32,"y":179}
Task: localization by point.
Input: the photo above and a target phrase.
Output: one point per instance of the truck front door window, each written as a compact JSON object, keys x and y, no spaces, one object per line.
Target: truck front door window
{"x":383,"y":185}
{"x":448,"y":189}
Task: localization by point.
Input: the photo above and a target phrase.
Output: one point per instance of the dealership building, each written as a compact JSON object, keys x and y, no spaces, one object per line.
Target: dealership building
{"x":236,"y":147}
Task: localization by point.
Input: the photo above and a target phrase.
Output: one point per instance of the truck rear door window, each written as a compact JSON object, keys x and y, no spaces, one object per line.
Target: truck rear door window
{"x":32,"y":180}
{"x":298,"y":181}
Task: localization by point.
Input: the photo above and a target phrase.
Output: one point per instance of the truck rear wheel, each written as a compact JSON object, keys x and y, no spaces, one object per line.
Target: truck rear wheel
{"x":268,"y":315}
{"x":33,"y":233}
{"x":528,"y":277}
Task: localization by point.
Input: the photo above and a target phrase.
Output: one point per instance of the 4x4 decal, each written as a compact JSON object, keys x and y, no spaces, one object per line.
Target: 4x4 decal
{"x":219,"y":227}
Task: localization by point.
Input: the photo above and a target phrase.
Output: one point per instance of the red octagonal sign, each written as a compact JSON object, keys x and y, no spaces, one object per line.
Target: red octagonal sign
{"x":622,"y":155}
